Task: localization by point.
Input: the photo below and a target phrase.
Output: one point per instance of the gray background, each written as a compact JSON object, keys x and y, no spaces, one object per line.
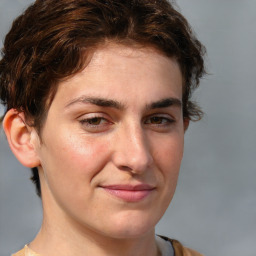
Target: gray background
{"x":214,"y":209}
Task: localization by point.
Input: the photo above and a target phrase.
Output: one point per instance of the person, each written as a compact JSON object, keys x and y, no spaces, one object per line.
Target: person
{"x":98,"y":98}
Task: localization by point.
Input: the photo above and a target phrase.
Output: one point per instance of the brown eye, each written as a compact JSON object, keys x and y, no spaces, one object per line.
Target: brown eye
{"x":157,"y":120}
{"x":95,"y":124}
{"x":94,"y":121}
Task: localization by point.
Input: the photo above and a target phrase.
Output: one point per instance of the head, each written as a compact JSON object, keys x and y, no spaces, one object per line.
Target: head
{"x":37,"y":57}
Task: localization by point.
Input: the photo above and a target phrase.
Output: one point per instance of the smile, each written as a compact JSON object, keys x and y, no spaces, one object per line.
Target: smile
{"x":129,"y":193}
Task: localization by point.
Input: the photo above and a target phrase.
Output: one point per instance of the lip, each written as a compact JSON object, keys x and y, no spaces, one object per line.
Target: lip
{"x":129,"y":193}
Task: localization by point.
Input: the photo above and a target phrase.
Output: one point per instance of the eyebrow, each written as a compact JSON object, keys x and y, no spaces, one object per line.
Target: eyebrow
{"x":97,"y":101}
{"x":163,"y":103}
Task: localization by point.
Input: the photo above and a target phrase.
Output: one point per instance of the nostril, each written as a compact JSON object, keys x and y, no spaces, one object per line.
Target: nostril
{"x":125,"y":168}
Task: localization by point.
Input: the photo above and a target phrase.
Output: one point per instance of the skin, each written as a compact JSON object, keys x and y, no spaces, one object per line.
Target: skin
{"x":109,"y":154}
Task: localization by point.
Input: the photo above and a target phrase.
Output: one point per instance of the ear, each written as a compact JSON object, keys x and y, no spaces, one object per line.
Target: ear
{"x":22,"y":138}
{"x":186,"y":124}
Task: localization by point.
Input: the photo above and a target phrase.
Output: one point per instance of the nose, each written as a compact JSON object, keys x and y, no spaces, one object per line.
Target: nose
{"x":132,"y":150}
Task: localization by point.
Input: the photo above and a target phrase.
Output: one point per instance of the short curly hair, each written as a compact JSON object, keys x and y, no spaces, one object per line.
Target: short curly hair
{"x":52,"y":38}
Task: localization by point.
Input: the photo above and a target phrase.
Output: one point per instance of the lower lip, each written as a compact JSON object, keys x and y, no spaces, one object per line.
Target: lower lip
{"x":129,"y":195}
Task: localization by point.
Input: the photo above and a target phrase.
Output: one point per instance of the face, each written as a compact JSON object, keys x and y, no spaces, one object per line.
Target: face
{"x":112,"y":143}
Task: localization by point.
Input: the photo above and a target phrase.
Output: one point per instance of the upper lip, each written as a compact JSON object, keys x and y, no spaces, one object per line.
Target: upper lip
{"x":137,"y":187}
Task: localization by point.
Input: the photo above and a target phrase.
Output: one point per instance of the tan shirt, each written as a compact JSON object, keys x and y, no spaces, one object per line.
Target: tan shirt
{"x":179,"y":250}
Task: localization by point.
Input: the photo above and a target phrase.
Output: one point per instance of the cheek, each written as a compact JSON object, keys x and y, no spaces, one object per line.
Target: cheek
{"x":80,"y":152}
{"x":74,"y":161}
{"x":169,"y":153}
{"x":69,"y":167}
{"x":168,"y":160}
{"x":168,"y":156}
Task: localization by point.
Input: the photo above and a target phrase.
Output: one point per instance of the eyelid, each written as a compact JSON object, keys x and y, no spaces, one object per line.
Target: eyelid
{"x":102,"y":126}
{"x":86,"y":120}
{"x":163,"y":116}
{"x":164,"y":125}
{"x":91,"y":115}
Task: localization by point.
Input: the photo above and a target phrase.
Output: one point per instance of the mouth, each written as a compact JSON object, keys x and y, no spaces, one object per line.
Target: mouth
{"x":129,"y":193}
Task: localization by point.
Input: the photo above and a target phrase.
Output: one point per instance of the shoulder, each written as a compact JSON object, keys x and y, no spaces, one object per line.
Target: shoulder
{"x":26,"y":251}
{"x":180,"y":250}
{"x":19,"y":253}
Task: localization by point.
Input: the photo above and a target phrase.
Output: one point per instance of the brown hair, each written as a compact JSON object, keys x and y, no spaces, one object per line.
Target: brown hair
{"x":52,"y":38}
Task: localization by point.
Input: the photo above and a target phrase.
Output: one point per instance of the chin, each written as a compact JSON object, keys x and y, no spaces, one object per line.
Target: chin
{"x":133,"y":227}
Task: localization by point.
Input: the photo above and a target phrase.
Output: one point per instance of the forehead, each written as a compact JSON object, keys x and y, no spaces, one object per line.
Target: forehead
{"x":125,"y":53}
{"x":120,"y":57}
{"x":120,"y":71}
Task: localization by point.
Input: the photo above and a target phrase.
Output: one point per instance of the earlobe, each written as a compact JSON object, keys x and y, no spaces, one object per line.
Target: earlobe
{"x":19,"y":136}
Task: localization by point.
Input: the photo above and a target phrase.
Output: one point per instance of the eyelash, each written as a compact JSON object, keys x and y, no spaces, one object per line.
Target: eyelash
{"x":102,"y":124}
{"x":88,"y":121}
{"x":165,"y":120}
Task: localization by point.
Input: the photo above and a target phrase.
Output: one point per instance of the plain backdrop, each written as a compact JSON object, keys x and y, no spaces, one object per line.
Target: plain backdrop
{"x":214,"y":209}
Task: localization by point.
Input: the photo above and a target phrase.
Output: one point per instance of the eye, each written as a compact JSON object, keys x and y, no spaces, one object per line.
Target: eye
{"x":159,"y":120}
{"x":95,"y":123}
{"x":160,"y":123}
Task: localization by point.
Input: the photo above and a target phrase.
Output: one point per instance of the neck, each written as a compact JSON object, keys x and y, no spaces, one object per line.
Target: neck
{"x":52,"y":240}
